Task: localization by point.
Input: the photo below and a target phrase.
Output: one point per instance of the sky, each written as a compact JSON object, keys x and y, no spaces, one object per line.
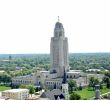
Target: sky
{"x":26,"y":26}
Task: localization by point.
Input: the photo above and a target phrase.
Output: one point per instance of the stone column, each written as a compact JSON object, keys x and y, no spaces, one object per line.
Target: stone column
{"x":97,"y":93}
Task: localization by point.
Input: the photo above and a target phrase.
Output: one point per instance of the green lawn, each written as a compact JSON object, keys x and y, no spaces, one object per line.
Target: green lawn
{"x":105,"y":90}
{"x":87,"y":93}
{"x":2,"y":88}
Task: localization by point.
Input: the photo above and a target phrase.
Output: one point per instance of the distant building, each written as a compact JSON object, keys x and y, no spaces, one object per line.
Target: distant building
{"x":98,"y":76}
{"x":2,"y":71}
{"x":93,"y":70}
{"x":16,"y":94}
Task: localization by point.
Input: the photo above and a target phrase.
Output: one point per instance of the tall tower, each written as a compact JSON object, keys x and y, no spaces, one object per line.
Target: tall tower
{"x":59,"y":51}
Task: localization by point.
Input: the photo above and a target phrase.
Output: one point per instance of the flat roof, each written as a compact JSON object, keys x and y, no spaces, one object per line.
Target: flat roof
{"x":44,"y":71}
{"x":74,"y":72}
{"x":16,"y":90}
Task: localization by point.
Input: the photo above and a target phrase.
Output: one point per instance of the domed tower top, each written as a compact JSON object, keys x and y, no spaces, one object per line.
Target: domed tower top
{"x":58,"y":25}
{"x":58,"y":30}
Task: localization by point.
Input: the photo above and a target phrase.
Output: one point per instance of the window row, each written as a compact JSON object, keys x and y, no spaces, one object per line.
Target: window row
{"x":52,"y":83}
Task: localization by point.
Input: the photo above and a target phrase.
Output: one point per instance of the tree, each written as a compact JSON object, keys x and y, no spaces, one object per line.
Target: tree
{"x":75,"y":96}
{"x":106,"y":80}
{"x":38,"y":89}
{"x":31,"y":89}
{"x":22,"y":86}
{"x":93,"y":81}
{"x":5,"y":78}
{"x":80,"y":87}
{"x":72,"y":84}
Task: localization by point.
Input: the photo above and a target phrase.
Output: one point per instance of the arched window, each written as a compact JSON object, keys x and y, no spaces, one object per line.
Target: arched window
{"x":54,"y":71}
{"x":70,"y":76}
{"x":39,"y":83}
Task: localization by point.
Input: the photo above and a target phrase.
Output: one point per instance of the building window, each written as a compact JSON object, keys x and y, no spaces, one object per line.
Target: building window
{"x":38,"y":76}
{"x":67,"y":76}
{"x":39,"y":83}
{"x":70,"y":76}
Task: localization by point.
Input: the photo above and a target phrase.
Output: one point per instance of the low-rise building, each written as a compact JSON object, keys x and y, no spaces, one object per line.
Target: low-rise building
{"x":28,"y":79}
{"x":16,"y":94}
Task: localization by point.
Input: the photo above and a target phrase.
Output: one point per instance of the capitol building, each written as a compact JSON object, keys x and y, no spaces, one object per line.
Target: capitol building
{"x":59,"y":62}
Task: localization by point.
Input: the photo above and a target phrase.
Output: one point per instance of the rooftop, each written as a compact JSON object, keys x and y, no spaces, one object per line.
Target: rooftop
{"x":74,"y":71}
{"x":16,"y":90}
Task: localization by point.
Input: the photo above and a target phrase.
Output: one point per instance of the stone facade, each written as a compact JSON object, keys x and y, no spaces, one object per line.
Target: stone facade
{"x":59,"y":51}
{"x":28,"y":79}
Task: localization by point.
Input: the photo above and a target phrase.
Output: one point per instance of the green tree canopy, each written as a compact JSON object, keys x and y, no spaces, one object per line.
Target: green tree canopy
{"x":93,"y":81}
{"x":72,"y":84}
{"x":75,"y":96}
{"x":31,"y":89}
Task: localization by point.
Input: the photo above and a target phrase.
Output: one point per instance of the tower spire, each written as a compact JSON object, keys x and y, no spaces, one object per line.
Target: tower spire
{"x":58,"y":19}
{"x":65,"y":86}
{"x":64,"y":77}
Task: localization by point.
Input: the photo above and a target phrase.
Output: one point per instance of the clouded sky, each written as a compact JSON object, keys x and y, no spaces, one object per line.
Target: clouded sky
{"x":26,"y":26}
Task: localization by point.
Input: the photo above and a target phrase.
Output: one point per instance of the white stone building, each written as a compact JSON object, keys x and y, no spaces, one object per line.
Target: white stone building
{"x":16,"y":94}
{"x":59,"y":62}
{"x":59,"y":51}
